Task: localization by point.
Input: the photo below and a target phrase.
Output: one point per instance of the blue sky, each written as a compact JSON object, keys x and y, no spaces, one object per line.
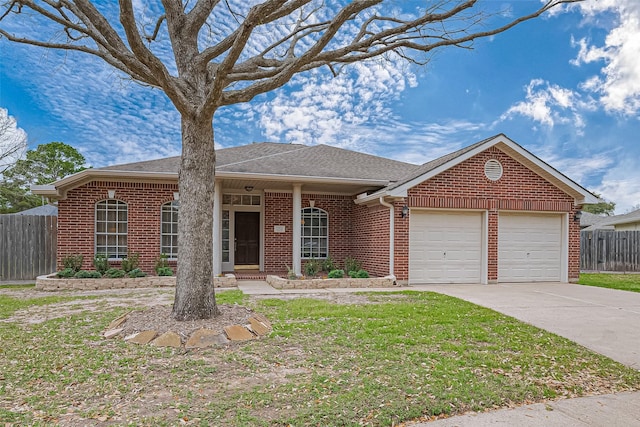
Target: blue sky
{"x":566,"y":87}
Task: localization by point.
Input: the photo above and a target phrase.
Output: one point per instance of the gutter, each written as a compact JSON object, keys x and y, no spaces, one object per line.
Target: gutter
{"x":391,"y":233}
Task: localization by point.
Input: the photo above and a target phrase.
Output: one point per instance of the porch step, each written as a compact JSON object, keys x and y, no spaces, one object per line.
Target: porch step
{"x":256,"y":275}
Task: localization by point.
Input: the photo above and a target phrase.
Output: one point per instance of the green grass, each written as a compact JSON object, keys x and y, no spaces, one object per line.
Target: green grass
{"x":9,"y":305}
{"x":624,"y":282}
{"x":400,"y":357}
{"x":17,"y":287}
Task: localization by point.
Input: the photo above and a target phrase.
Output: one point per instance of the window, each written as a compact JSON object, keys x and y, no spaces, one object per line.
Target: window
{"x":225,"y":236}
{"x":111,"y":228}
{"x":315,"y":233}
{"x":169,"y":229}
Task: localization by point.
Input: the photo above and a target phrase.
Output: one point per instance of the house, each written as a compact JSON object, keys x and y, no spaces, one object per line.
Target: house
{"x":625,"y":222}
{"x":44,"y":210}
{"x":589,"y":221}
{"x":491,"y":212}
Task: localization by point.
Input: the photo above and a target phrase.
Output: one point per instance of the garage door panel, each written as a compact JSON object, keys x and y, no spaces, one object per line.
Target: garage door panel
{"x":529,"y":247}
{"x":445,"y":247}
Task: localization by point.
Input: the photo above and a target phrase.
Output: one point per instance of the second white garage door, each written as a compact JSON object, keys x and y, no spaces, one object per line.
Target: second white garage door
{"x":445,"y":247}
{"x":529,"y":247}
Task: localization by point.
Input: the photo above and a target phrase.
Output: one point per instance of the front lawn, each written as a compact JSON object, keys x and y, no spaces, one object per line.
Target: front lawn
{"x":625,"y":282}
{"x":368,"y":359}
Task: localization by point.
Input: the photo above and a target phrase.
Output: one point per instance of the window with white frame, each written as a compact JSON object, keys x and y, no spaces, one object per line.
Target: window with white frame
{"x":169,"y":229}
{"x":111,"y":228}
{"x":315,"y":233}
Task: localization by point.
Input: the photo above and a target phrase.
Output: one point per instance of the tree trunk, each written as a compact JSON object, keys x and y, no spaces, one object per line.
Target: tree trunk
{"x":195,"y":296}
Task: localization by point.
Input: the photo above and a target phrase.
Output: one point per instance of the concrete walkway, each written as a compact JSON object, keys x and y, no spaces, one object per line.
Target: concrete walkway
{"x":610,"y":410}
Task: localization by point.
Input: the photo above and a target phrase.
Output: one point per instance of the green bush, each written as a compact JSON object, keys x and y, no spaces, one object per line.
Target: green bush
{"x":311,"y":267}
{"x":291,"y":273}
{"x":130,"y":262}
{"x":67,"y":272}
{"x":164,"y":271}
{"x":360,"y":274}
{"x":336,"y":274}
{"x":328,"y":264}
{"x":351,"y":264}
{"x":162,"y":262}
{"x":114,"y":273}
{"x":73,"y":261}
{"x":101,"y":263}
{"x":84,"y":274}
{"x":136,"y":272}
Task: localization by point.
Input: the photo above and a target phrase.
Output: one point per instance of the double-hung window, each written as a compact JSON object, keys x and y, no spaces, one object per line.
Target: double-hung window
{"x":315,"y":233}
{"x":111,"y":228}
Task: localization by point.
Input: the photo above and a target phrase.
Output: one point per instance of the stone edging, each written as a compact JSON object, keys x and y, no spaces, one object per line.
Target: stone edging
{"x":52,"y":283}
{"x":372,"y":282}
{"x":257,"y":327}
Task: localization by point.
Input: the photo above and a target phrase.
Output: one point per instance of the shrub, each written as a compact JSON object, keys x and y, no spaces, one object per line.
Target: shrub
{"x":164,"y":271}
{"x":67,"y":272}
{"x":130,"y":262}
{"x":336,"y":274}
{"x":162,"y":262}
{"x":328,"y":264}
{"x":311,"y":267}
{"x":291,"y":273}
{"x":114,"y":273}
{"x":101,"y":263}
{"x":73,"y":261}
{"x":84,"y":274}
{"x":136,"y":272}
{"x":351,"y":264}
{"x":360,"y":274}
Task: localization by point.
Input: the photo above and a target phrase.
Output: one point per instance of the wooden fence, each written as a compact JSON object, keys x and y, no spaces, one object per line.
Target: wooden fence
{"x":27,"y":246}
{"x":609,"y":250}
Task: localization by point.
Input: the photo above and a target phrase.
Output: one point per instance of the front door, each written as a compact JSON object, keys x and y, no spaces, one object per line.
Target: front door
{"x":247,"y":235}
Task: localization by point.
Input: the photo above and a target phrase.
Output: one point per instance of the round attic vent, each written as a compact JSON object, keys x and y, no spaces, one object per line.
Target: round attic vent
{"x":493,"y":170}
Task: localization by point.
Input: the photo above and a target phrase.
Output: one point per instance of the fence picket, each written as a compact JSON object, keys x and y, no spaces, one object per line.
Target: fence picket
{"x":27,"y":246}
{"x":610,"y":250}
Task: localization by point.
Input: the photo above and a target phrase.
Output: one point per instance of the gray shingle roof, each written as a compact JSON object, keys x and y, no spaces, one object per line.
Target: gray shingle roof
{"x":288,"y":159}
{"x":589,"y":221}
{"x":429,"y":166}
{"x":45,"y":210}
{"x":624,"y":219}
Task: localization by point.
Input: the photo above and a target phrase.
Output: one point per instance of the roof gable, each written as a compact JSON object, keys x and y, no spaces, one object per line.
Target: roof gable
{"x":504,"y":144}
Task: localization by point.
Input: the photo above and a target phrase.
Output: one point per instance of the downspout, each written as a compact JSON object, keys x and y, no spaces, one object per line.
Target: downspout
{"x":391,"y":233}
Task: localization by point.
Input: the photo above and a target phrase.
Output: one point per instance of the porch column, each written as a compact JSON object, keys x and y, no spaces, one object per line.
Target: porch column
{"x":217,"y":228}
{"x":297,"y":220}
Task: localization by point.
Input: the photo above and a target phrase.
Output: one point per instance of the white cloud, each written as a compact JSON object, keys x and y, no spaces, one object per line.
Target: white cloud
{"x":618,"y":85}
{"x":550,"y":104}
{"x":13,"y":140}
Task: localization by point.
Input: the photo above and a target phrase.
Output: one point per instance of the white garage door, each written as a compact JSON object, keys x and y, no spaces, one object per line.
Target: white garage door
{"x":445,"y":247}
{"x":529,"y":248}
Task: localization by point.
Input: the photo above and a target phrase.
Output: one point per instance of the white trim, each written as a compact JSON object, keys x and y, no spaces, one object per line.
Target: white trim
{"x":217,"y":228}
{"x":296,"y":229}
{"x":484,"y":272}
{"x":564,"y":260}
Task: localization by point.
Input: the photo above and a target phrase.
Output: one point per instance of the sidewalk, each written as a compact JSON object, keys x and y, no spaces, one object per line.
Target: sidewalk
{"x":610,"y":410}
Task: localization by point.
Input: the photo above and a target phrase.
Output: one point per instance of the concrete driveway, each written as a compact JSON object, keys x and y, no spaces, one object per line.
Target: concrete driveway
{"x":604,"y":320}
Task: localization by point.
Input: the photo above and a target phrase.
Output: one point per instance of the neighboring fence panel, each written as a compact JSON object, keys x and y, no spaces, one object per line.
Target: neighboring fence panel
{"x":609,"y":250}
{"x":27,"y":246}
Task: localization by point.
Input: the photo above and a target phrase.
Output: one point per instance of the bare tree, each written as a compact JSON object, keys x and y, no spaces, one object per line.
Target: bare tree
{"x":227,"y":52}
{"x":13,"y":141}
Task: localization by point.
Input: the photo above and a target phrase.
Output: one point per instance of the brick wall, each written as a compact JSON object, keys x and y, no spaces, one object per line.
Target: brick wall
{"x":371,"y":238}
{"x":76,"y":219}
{"x":279,"y":211}
{"x":465,"y":187}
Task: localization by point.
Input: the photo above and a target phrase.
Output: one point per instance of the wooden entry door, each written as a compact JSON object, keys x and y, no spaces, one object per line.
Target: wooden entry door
{"x":247,"y":235}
